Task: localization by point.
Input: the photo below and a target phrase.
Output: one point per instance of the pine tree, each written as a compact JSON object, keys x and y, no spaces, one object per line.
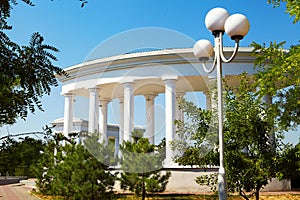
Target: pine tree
{"x":141,"y":164}
{"x":75,"y":174}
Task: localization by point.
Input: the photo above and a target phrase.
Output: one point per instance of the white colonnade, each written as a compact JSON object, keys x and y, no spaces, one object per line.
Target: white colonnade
{"x":103,"y":119}
{"x":98,"y":111}
{"x":149,"y":132}
{"x":93,"y":110}
{"x":170,"y":111}
{"x":68,"y":113}
{"x":128,"y":115}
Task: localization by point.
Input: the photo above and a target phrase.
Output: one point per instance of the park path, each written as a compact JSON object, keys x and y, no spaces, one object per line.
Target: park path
{"x":16,"y":192}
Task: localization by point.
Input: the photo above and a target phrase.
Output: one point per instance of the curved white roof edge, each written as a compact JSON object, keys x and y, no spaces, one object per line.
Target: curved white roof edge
{"x":75,"y":119}
{"x":139,"y":58}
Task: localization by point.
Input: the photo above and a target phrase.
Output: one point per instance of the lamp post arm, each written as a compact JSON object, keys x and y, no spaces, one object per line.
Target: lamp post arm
{"x":236,"y":48}
{"x":212,"y":67}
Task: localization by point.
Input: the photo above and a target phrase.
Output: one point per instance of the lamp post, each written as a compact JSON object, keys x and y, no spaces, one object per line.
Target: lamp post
{"x":236,"y":26}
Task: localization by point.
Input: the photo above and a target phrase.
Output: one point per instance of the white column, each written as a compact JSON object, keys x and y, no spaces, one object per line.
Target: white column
{"x":103,"y":119}
{"x":207,"y":99}
{"x":121,"y":125}
{"x":128,"y":110}
{"x":179,"y":112}
{"x":121,"y":120}
{"x":93,"y":110}
{"x":170,"y":103}
{"x":149,"y":133}
{"x":68,"y":113}
{"x":268,"y":100}
{"x":116,"y":153}
{"x":211,"y":94}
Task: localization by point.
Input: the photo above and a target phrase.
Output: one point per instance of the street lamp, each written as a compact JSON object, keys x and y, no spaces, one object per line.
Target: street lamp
{"x":236,"y":26}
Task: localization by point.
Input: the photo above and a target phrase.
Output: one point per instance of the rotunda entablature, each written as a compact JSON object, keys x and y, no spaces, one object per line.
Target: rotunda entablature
{"x":147,"y":69}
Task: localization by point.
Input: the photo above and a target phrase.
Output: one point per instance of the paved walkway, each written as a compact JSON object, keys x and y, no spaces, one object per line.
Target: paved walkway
{"x":16,"y":192}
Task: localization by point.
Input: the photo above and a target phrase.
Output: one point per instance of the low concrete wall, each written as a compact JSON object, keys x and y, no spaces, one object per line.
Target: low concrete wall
{"x":182,"y":180}
{"x":11,"y":179}
{"x":275,"y":185}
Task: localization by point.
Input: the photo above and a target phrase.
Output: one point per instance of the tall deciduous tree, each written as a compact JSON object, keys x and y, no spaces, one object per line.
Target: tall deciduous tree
{"x":292,"y":7}
{"x":279,"y":72}
{"x":196,"y":136}
{"x":251,"y":138}
{"x":279,"y":76}
{"x":250,"y":151}
{"x":27,"y":72}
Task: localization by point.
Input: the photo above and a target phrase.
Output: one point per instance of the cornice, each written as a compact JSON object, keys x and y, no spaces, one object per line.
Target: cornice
{"x":138,"y":59}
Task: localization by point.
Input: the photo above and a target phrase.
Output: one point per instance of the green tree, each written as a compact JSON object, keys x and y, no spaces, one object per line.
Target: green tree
{"x":27,"y":72}
{"x":17,"y":157}
{"x":196,"y":136}
{"x":292,"y":7}
{"x":279,"y":72}
{"x":75,"y":174}
{"x":288,"y":166}
{"x":250,"y":140}
{"x":141,"y":164}
{"x":279,"y":76}
{"x":7,"y":5}
{"x":250,"y":154}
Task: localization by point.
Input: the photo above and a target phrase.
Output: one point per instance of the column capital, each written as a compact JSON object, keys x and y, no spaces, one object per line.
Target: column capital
{"x":104,"y":99}
{"x":67,"y":94}
{"x":127,"y":81}
{"x":93,"y":89}
{"x":149,"y":97}
{"x":169,"y":78}
{"x":180,"y":94}
{"x":121,"y":99}
{"x":206,"y":92}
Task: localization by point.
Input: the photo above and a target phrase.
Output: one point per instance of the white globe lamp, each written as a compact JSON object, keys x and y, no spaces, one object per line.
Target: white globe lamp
{"x":237,"y":26}
{"x":203,"y":49}
{"x":215,"y":19}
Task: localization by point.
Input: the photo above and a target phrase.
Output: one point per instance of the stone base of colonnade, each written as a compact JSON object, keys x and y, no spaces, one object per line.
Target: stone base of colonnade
{"x":182,"y":181}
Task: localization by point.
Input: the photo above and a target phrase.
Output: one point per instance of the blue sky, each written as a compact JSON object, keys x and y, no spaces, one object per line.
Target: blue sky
{"x":77,"y":31}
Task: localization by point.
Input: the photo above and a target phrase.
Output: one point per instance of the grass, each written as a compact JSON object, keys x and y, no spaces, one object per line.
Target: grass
{"x":189,"y":196}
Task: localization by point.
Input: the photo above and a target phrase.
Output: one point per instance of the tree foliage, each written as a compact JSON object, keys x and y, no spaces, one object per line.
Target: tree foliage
{"x":141,"y":165}
{"x":74,"y":173}
{"x":279,"y":76}
{"x":5,"y":9}
{"x":250,"y":151}
{"x":289,"y":163}
{"x":7,"y":5}
{"x":279,"y":72}
{"x":17,"y":157}
{"x":27,"y":72}
{"x":251,"y":138}
{"x":196,"y":136}
{"x":292,"y":7}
